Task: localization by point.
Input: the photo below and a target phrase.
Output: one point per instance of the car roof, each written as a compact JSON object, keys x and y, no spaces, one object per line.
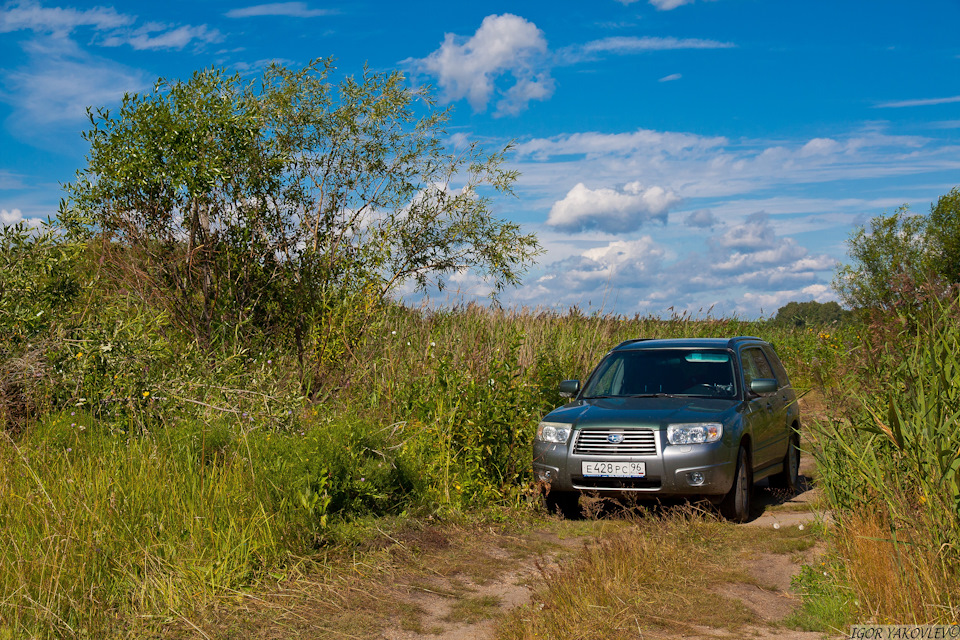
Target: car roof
{"x":685,"y":343}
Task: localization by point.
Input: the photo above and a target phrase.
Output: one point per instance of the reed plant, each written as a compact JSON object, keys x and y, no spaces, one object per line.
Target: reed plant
{"x":890,"y":468}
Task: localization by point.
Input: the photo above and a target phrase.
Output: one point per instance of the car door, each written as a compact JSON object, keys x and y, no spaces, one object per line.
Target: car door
{"x":764,"y":412}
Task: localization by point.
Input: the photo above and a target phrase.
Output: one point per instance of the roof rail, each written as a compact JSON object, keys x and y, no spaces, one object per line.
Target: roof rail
{"x":631,"y":341}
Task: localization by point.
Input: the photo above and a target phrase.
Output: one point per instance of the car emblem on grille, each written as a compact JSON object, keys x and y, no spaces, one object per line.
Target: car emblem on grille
{"x":615,"y":438}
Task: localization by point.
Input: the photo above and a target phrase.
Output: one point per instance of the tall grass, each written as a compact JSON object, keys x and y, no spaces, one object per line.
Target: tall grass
{"x":891,"y":470}
{"x":180,"y":478}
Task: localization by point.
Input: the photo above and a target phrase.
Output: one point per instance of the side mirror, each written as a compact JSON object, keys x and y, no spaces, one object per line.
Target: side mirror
{"x":761,"y":386}
{"x":569,"y":388}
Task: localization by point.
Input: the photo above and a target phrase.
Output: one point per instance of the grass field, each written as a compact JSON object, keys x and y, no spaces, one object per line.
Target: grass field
{"x":151,"y":479}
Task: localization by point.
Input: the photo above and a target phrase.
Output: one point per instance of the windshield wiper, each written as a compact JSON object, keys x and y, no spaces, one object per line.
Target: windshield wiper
{"x":653,"y":395}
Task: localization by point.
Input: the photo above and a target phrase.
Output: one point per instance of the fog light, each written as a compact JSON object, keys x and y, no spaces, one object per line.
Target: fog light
{"x":696,"y":478}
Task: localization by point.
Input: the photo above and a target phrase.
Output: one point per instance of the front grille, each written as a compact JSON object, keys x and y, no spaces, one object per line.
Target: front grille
{"x":596,"y":442}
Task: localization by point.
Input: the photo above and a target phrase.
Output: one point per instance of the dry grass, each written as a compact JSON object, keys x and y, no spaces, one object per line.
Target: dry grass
{"x":897,"y":581}
{"x":657,"y":576}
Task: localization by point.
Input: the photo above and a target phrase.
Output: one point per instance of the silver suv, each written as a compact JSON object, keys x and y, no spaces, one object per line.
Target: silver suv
{"x":680,"y":418}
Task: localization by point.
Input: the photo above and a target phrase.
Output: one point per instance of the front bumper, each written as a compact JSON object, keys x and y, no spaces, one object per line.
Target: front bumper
{"x":673,"y":470}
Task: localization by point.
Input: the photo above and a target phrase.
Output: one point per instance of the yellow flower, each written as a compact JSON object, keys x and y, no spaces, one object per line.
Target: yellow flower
{"x":146,"y":393}
{"x":80,"y":355}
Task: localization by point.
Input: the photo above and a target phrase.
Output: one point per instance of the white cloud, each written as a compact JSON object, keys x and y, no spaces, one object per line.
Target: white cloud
{"x":58,"y":21}
{"x":670,"y":78}
{"x":290,"y":9}
{"x":667,"y":5}
{"x":61,"y":82}
{"x":629,"y":44}
{"x":609,"y":209}
{"x":597,"y":145}
{"x":925,"y":102}
{"x":710,"y":167}
{"x":621,"y":263}
{"x":113,"y":28}
{"x":154,"y":36}
{"x":701,"y":219}
{"x":14,"y":216}
{"x":742,"y":270}
{"x":504,"y":45}
{"x":754,"y":234}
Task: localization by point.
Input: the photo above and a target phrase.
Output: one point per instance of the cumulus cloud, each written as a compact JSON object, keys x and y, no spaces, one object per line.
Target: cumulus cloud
{"x":754,"y":234}
{"x":622,"y":263}
{"x":290,"y":9}
{"x":474,"y":68}
{"x":614,"y":210}
{"x":699,"y":166}
{"x":743,"y":269}
{"x":14,"y":216}
{"x":701,"y":219}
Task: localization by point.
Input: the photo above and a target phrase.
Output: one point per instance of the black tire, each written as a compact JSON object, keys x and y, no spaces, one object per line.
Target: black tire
{"x":789,"y":478}
{"x":566,"y":503}
{"x":735,"y":506}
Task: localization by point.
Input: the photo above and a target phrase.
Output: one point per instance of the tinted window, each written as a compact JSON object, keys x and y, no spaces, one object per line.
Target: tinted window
{"x":690,"y":372}
{"x":755,"y":366}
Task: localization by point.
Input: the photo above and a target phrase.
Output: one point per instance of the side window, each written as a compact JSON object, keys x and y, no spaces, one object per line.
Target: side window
{"x":755,"y":365}
{"x":778,"y":370}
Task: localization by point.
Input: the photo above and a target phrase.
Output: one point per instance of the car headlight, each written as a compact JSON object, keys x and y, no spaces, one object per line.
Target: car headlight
{"x":694,"y":433}
{"x":558,"y":432}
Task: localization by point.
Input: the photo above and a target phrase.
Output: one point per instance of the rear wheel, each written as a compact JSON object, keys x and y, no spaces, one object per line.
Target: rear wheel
{"x":789,"y":478}
{"x":566,"y":503}
{"x":735,"y":506}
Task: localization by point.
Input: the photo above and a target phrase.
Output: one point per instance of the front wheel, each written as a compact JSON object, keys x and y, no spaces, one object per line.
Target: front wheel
{"x":735,"y":506}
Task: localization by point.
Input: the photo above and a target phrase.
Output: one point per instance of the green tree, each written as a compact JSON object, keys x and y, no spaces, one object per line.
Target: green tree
{"x":274,"y":205}
{"x":903,"y":258}
{"x":885,"y":257}
{"x":943,"y":235}
{"x":801,"y":314}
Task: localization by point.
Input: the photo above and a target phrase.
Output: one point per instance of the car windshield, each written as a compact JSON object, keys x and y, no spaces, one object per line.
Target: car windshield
{"x":652,"y":372}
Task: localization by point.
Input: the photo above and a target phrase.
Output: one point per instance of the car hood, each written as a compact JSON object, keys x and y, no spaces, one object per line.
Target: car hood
{"x":648,"y":412}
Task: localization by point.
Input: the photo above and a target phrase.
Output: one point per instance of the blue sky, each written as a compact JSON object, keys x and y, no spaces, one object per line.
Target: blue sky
{"x":692,"y":154}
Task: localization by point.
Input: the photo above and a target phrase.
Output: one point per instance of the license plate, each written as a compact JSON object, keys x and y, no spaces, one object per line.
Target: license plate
{"x":614,"y":469}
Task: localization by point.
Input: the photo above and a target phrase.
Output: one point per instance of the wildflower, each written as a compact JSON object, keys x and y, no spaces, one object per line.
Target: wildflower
{"x":269,"y":361}
{"x":146,"y":394}
{"x":73,"y":413}
{"x":80,"y":355}
{"x":393,"y":333}
{"x":433,"y":344}
{"x":363,"y":479}
{"x":69,"y":449}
